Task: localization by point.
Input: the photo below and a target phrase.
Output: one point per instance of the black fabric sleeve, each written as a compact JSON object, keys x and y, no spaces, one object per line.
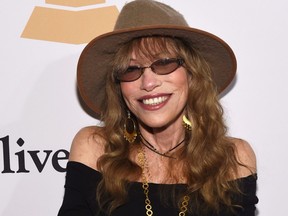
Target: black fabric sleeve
{"x":248,"y":199}
{"x":80,"y":190}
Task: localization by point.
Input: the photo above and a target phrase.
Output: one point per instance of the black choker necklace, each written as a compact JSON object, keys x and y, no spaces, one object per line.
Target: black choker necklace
{"x":152,"y":148}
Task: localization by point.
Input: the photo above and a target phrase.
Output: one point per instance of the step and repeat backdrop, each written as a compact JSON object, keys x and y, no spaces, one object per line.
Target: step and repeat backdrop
{"x":40,"y":110}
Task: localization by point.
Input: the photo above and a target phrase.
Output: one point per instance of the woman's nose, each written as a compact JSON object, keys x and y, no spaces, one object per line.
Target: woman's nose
{"x":149,"y":80}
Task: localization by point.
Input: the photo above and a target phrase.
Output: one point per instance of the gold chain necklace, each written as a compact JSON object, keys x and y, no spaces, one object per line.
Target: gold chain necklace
{"x":145,"y":185}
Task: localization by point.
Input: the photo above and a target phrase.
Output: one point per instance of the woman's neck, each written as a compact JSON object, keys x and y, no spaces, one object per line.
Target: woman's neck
{"x":163,"y":139}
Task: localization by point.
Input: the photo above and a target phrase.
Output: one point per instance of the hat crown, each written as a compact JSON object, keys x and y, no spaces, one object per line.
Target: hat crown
{"x":142,"y":13}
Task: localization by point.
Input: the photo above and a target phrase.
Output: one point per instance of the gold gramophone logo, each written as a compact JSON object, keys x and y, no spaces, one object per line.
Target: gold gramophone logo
{"x":70,"y":26}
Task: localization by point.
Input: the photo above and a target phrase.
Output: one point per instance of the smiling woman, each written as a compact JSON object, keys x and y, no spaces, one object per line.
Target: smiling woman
{"x":154,"y":81}
{"x":163,"y":93}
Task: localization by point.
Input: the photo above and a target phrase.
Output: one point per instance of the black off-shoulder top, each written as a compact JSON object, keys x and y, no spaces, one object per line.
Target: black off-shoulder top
{"x":80,"y":196}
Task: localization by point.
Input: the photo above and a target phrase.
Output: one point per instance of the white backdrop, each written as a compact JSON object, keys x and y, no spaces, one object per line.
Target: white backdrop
{"x":40,"y":112}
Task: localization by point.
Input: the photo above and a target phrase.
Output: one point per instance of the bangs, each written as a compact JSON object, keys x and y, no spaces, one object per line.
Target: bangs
{"x":152,"y":48}
{"x":147,"y":48}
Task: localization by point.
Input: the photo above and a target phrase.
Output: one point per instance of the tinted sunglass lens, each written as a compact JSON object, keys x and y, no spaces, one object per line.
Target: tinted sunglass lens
{"x":131,"y":74}
{"x":165,"y":66}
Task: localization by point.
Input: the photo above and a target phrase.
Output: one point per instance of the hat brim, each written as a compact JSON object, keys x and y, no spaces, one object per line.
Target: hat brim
{"x":94,"y":61}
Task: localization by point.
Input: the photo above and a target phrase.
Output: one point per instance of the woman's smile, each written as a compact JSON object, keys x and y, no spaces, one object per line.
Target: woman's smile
{"x":154,"y":102}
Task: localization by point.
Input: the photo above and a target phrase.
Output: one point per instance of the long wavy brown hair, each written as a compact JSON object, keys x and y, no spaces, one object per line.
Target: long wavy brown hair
{"x":209,"y":156}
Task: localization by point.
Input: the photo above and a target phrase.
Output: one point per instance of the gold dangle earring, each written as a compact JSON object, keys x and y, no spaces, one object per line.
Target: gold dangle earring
{"x":186,"y":123}
{"x":130,"y":129}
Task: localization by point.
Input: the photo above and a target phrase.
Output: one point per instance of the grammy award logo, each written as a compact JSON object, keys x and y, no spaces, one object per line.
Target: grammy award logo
{"x":70,"y":26}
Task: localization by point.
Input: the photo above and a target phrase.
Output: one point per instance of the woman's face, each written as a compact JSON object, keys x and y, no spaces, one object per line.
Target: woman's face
{"x":156,"y":100}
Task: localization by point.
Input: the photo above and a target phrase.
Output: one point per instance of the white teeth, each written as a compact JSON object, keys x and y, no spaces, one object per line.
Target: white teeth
{"x":155,"y":101}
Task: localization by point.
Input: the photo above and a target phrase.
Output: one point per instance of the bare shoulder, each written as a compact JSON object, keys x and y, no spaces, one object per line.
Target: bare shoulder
{"x":246,"y":156}
{"x":87,"y":146}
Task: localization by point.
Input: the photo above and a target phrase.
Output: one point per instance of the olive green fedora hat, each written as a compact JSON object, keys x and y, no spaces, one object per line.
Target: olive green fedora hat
{"x":147,"y":18}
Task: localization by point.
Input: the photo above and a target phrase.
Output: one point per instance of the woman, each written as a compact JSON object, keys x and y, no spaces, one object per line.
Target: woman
{"x":163,"y":149}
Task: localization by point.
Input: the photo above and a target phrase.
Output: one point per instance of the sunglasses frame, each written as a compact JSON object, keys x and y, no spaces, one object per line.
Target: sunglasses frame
{"x":141,"y":70}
